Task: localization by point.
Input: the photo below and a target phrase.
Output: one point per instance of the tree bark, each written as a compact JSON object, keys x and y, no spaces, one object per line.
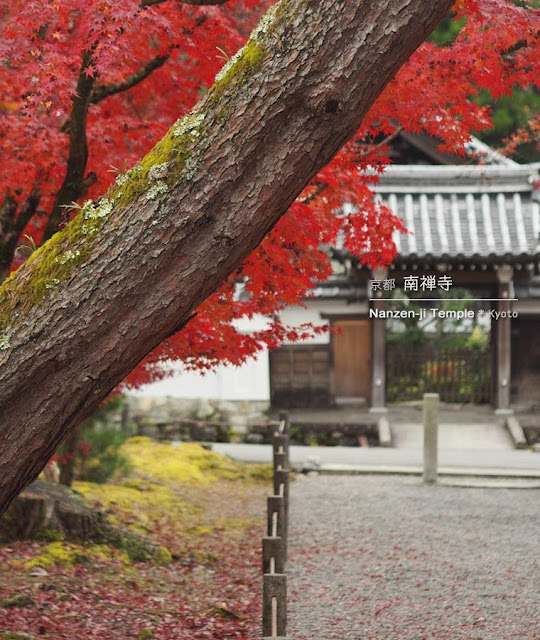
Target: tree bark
{"x":178,"y":224}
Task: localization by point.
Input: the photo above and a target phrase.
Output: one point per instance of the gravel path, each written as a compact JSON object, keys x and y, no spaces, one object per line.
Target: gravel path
{"x":386,"y":558}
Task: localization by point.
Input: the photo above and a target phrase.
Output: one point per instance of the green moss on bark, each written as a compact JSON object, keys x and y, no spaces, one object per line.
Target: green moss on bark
{"x":239,"y":68}
{"x":51,"y":264}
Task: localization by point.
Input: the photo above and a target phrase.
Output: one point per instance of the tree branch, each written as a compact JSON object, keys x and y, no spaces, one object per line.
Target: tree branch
{"x":73,"y":184}
{"x":7,"y":212}
{"x":8,"y":207}
{"x":521,"y":44}
{"x":321,"y":188}
{"x":27,"y":211}
{"x":368,"y":148}
{"x":104,"y":91}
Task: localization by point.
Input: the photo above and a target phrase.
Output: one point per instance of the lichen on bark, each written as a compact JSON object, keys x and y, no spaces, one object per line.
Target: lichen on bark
{"x":239,"y":68}
{"x":167,"y":164}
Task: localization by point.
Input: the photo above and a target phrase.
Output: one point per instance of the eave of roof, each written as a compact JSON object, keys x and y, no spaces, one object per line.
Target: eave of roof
{"x":464,"y":212}
{"x":457,"y":179}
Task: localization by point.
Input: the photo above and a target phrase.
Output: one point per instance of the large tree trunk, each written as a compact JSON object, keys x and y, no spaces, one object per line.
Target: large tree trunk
{"x":101,"y":294}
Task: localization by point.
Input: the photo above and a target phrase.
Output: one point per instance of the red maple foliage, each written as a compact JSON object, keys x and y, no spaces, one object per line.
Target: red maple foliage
{"x":87,"y":88}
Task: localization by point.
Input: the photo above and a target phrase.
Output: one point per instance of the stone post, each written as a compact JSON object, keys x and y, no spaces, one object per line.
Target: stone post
{"x":431,"y":428}
{"x":274,"y":605}
{"x":281,"y":488}
{"x":276,"y":517}
{"x":284,"y":422}
{"x":273,"y":556}
{"x":280,"y":461}
{"x":280,"y":444}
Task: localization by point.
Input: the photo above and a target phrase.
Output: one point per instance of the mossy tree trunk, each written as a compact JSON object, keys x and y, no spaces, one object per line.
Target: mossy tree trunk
{"x":130,"y":270}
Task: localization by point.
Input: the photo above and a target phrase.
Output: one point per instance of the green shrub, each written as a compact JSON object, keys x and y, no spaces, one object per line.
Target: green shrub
{"x":104,"y":459}
{"x":92,"y":451}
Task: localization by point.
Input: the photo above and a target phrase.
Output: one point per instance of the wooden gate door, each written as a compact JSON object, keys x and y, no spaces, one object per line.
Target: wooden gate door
{"x":352,"y":359}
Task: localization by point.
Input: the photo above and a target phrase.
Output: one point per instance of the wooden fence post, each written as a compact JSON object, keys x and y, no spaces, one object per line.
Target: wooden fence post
{"x":274,"y":605}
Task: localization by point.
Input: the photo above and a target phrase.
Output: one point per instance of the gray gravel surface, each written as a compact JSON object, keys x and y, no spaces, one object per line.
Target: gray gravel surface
{"x":386,"y":558}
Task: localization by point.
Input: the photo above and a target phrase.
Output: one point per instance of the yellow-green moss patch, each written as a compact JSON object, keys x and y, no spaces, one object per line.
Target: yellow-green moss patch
{"x":61,"y":554}
{"x":186,"y":463}
{"x":128,"y":505}
{"x":171,"y":493}
{"x":239,"y":68}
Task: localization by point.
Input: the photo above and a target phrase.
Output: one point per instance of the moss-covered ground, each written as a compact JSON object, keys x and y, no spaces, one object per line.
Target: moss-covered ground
{"x":207,"y":514}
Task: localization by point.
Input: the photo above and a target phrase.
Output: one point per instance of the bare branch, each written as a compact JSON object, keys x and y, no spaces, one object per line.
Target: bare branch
{"x":321,"y":188}
{"x":106,"y":90}
{"x":368,"y":148}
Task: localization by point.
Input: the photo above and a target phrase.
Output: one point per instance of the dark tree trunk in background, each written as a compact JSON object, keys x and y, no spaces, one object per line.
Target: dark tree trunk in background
{"x":101,"y":294}
{"x":69,"y":454}
{"x":13,"y":220}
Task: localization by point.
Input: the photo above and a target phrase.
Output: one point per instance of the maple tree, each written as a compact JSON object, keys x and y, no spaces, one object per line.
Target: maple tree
{"x":69,"y":74}
{"x":130,"y":269}
{"x":86,"y":89}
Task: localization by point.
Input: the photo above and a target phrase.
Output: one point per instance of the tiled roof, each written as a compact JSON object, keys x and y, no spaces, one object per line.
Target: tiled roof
{"x":465,"y":211}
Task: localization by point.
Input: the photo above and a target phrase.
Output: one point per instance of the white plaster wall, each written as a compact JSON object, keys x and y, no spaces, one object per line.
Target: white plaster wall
{"x":294,"y":316}
{"x":250,"y":381}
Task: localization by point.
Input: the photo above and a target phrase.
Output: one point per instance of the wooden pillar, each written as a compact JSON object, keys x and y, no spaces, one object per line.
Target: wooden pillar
{"x":378,"y":350}
{"x":503,"y":339}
